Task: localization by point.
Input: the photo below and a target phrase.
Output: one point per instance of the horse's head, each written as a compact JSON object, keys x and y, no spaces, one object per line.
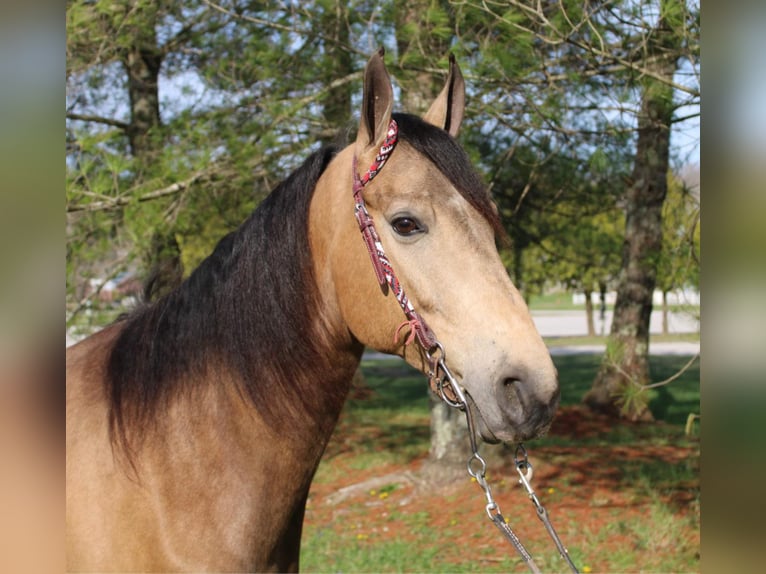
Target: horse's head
{"x":438,"y":225}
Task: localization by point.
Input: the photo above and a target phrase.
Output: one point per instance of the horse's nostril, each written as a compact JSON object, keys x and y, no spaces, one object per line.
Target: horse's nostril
{"x":513,"y":390}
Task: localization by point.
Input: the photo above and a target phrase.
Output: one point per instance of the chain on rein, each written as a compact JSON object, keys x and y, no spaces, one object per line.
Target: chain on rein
{"x":440,"y":377}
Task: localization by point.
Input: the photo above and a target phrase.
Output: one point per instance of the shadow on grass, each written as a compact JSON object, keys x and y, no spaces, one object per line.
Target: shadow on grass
{"x":387,"y":415}
{"x":671,"y":403}
{"x":393,"y":384}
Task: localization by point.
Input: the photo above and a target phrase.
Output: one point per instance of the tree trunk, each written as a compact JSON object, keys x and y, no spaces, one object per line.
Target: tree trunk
{"x":416,"y":46}
{"x":163,"y":260}
{"x":626,"y":363}
{"x":602,"y":305}
{"x":142,"y":65}
{"x":337,"y":103}
{"x":589,"y":312}
{"x":665,"y":327}
{"x":450,"y":447}
{"x":142,"y":62}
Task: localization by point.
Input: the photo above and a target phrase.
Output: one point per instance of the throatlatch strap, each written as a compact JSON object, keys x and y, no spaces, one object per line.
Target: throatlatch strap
{"x":384,"y":272}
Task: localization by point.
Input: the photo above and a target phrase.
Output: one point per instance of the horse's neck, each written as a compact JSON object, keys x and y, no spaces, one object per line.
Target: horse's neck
{"x":250,"y":479}
{"x":230,"y":418}
{"x":264,"y":465}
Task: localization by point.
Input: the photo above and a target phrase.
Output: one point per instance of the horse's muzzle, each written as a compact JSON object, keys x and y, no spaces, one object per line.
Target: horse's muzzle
{"x":523,"y":410}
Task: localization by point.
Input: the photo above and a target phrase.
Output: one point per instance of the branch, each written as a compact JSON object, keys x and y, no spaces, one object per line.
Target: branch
{"x":641,"y":70}
{"x":605,"y":53}
{"x":631,"y":379}
{"x":98,"y":119}
{"x":687,"y":117}
{"x":675,"y":376}
{"x":122,"y":201}
{"x":283,"y":28}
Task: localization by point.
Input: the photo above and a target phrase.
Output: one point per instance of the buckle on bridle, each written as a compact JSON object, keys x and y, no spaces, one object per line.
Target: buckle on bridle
{"x":445,"y":385}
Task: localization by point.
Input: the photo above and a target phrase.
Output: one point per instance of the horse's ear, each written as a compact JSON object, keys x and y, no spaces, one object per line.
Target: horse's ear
{"x":377,"y":105}
{"x":447,"y":110}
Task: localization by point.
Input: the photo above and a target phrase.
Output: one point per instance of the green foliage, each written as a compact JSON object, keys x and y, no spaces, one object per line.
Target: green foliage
{"x":438,"y":21}
{"x":242,"y":107}
{"x":397,"y":397}
{"x":632,"y":398}
{"x":246,"y":92}
{"x":678,"y":266}
{"x":615,"y":350}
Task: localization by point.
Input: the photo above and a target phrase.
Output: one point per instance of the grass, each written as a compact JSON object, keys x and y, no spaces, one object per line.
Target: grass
{"x":671,"y":403}
{"x":363,"y":551}
{"x":389,"y":420}
{"x":616,"y":498}
{"x":362,"y":555}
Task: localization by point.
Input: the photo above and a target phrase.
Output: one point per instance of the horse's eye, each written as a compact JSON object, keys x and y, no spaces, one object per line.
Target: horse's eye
{"x":406,"y":226}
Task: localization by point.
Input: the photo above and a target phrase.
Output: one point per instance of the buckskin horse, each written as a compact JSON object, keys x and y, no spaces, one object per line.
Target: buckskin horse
{"x":196,"y":423}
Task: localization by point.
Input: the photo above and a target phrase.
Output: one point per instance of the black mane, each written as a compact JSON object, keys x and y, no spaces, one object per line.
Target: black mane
{"x":248,"y":308}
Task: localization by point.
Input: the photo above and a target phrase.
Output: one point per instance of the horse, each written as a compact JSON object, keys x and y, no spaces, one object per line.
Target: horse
{"x":195,"y":424}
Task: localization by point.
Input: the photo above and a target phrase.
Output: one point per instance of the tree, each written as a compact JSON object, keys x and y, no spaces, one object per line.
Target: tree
{"x":626,"y":362}
{"x":146,"y":171}
{"x":589,"y":262}
{"x":123,"y":35}
{"x":338,"y":63}
{"x":593,"y":75}
{"x":116,"y":137}
{"x":183,"y":117}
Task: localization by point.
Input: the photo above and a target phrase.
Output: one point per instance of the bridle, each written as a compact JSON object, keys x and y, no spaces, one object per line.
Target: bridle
{"x":380,"y":263}
{"x":440,"y":377}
